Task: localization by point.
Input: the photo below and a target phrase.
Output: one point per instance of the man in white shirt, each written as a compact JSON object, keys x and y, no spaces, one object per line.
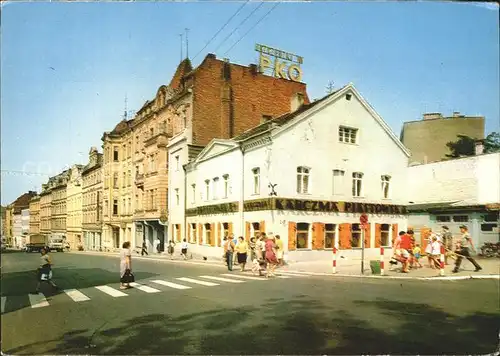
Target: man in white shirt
{"x":184,"y":249}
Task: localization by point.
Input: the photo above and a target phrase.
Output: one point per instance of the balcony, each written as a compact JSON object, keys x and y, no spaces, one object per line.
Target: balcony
{"x":159,"y":139}
{"x":139,"y":180}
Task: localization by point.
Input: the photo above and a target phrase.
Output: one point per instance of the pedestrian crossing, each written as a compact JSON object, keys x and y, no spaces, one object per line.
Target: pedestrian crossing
{"x":40,"y":300}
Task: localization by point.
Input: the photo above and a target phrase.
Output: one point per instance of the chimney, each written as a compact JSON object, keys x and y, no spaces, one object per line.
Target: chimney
{"x":296,"y":101}
{"x":433,"y":115}
{"x":253,"y":68}
{"x":479,"y":147}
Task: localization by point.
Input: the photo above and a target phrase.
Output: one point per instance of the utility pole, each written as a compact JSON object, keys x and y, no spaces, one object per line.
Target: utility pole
{"x":187,"y":42}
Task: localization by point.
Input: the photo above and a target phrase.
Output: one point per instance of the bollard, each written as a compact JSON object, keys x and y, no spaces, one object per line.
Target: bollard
{"x":334,"y":263}
{"x":441,"y":270}
{"x":381,"y":261}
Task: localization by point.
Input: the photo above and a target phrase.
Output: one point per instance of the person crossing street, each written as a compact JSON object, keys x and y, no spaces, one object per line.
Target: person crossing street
{"x":463,"y":250}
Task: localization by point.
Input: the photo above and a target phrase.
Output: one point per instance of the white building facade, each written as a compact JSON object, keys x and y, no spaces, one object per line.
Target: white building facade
{"x":17,"y":229}
{"x":463,"y":191}
{"x":74,"y":207}
{"x":306,"y":176}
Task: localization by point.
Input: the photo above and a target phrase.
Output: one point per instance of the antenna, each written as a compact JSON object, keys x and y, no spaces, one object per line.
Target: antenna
{"x":187,"y":42}
{"x":180,"y":35}
{"x":125,"y":110}
{"x":330,"y":87}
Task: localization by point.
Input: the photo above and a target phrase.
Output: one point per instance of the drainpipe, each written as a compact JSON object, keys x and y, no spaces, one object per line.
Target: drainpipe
{"x":185,"y":202}
{"x":242,"y":196}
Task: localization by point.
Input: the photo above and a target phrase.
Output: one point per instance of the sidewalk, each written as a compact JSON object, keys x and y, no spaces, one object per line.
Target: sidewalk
{"x":345,"y":267}
{"x":352,"y":267}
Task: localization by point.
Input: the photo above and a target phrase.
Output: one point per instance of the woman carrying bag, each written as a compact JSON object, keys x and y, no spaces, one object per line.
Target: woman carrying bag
{"x":126,"y":276}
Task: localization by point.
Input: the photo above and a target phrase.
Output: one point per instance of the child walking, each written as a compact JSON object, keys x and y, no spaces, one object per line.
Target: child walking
{"x":171,"y":245}
{"x":416,"y":254}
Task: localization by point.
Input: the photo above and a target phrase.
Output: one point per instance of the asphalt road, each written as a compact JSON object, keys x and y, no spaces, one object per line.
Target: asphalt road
{"x":295,"y":315}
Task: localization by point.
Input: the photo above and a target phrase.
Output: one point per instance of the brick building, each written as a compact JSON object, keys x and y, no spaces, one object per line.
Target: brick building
{"x":226,"y":99}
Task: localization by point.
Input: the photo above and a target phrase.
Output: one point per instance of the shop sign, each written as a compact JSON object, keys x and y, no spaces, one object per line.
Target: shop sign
{"x":213,"y":209}
{"x":286,"y":65}
{"x":322,"y":206}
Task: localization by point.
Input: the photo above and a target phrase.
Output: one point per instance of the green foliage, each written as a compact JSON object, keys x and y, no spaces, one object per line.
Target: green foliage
{"x":464,"y":146}
{"x":492,"y":143}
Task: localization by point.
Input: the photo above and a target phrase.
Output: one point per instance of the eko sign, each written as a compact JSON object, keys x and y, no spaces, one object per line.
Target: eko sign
{"x":286,"y":65}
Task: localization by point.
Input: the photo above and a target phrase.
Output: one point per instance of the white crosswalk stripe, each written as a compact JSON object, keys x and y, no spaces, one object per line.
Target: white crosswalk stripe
{"x":245,"y":277}
{"x":222,"y":279}
{"x":293,"y":274}
{"x":76,"y":295}
{"x":111,"y":291}
{"x":4,"y":299}
{"x":282,"y":276}
{"x":196,"y":281}
{"x":146,"y":289}
{"x":38,"y":300}
{"x":170,"y":284}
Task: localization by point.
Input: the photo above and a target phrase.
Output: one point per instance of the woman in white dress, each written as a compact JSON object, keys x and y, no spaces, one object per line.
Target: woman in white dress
{"x":125,"y":265}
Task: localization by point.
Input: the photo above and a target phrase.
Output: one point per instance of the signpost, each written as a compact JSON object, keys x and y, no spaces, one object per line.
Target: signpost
{"x":363,"y":219}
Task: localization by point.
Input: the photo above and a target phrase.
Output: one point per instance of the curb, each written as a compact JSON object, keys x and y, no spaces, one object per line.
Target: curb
{"x":435,"y":278}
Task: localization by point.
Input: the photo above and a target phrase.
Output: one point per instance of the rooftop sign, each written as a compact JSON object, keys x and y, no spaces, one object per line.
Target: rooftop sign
{"x":286,"y":65}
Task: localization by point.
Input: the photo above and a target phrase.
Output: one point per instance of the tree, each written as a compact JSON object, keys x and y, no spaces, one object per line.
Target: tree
{"x":464,"y":146}
{"x":492,"y":143}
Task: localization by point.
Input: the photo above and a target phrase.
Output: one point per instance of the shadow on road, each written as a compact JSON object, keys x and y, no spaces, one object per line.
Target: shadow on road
{"x":300,"y":326}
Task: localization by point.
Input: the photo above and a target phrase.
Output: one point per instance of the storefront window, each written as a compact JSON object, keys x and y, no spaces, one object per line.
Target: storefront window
{"x":384,"y":234}
{"x":460,"y":218}
{"x":356,"y":235}
{"x":302,"y":235}
{"x":330,"y":235}
{"x":256,"y":228}
{"x":443,"y":218}
{"x":193,"y":233}
{"x":208,"y":234}
{"x":490,"y":222}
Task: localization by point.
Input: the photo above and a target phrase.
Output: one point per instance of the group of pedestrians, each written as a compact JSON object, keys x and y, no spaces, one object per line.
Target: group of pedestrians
{"x":265,"y":252}
{"x":408,"y":252}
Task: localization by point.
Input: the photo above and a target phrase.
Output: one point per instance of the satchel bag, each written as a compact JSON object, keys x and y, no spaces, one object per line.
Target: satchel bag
{"x":128,"y":277}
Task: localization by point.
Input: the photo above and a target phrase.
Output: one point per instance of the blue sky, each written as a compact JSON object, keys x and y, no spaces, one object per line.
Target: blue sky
{"x":67,"y":67}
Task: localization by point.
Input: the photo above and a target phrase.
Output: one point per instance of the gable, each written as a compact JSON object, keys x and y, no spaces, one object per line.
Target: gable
{"x":215,"y":148}
{"x":335,"y":99}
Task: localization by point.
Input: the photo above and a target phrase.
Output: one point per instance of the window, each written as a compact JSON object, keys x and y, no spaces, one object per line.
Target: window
{"x":208,"y":234}
{"x":338,"y":181}
{"x":207,"y":189}
{"x":115,"y":207}
{"x":124,"y":206}
{"x":226,"y":185}
{"x":302,"y":235}
{"x":357,"y":186}
{"x":176,"y":163}
{"x":151,"y":132}
{"x":460,"y":218}
{"x":193,"y":189}
{"x":124,"y":180}
{"x":177,"y":196}
{"x":115,"y":180}
{"x":193,"y":233}
{"x":385,"y":179}
{"x":356,"y":235}
{"x":330,"y":235}
{"x":347,"y":134}
{"x":490,"y":222}
{"x":137,"y":143}
{"x":214,"y":187}
{"x":129,"y":149}
{"x":115,"y":154}
{"x":302,"y":180}
{"x":384,"y":234}
{"x":151,"y":199}
{"x":443,"y":218}
{"x":256,"y":180}
{"x":130,"y":205}
{"x":129,"y":180}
